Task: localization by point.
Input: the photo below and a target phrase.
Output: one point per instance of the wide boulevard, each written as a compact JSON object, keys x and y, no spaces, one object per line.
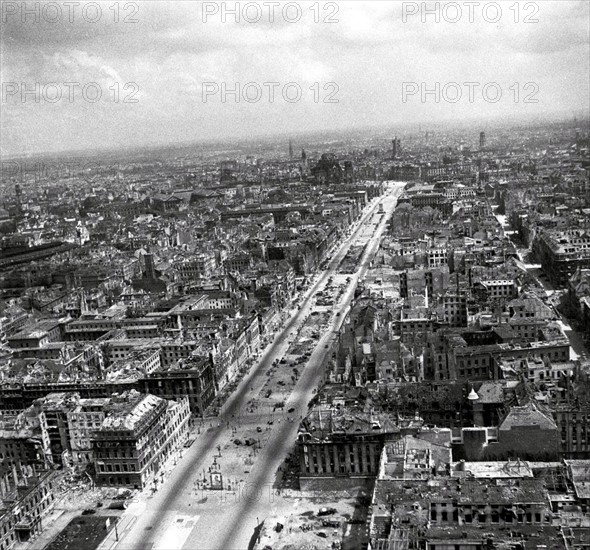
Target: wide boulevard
{"x":175,"y":517}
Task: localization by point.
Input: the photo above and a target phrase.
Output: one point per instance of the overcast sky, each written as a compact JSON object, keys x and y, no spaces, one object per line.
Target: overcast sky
{"x":165,"y":52}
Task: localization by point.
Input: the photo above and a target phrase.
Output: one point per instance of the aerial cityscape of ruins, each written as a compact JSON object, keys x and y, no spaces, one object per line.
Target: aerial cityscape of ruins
{"x":347,"y":340}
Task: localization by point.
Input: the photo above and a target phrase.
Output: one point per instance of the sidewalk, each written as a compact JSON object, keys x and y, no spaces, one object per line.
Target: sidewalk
{"x":115,"y":536}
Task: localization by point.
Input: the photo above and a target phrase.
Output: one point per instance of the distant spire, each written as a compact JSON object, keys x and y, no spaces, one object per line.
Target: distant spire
{"x":291,"y":149}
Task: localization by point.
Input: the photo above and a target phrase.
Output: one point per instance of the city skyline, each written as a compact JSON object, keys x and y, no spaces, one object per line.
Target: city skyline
{"x":294,"y":275}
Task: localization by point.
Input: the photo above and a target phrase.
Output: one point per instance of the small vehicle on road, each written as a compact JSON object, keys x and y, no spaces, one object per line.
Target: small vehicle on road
{"x":118,"y":505}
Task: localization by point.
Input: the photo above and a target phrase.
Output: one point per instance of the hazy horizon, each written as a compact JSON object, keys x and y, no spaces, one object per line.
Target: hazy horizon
{"x":311,"y":135}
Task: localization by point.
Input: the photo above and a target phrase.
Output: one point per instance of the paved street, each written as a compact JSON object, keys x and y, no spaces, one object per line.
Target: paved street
{"x":177,"y":517}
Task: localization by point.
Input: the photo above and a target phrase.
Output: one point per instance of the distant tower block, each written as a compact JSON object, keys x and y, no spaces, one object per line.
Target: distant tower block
{"x":19,"y":198}
{"x":291,"y":149}
{"x":303,"y":166}
{"x":396,"y":148}
{"x":482,"y":140}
